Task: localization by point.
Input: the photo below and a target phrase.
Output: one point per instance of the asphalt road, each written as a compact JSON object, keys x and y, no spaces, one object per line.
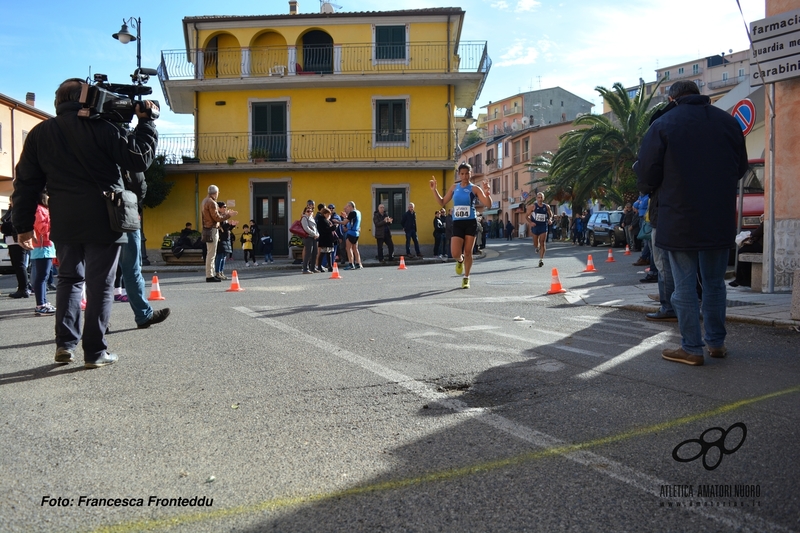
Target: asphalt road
{"x":393,"y":400}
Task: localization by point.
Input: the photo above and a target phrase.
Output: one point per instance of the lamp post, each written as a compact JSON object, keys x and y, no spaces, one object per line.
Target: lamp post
{"x":124,"y":36}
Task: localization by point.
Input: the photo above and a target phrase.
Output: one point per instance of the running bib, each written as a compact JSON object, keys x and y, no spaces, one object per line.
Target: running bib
{"x":540,"y":217}
{"x":461,"y":211}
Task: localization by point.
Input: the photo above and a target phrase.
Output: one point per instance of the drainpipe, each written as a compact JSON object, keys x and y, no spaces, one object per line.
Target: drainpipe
{"x":448,"y":44}
{"x":13,"y":151}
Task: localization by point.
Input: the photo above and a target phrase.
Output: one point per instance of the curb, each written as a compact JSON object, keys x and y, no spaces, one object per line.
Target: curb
{"x":757,"y":321}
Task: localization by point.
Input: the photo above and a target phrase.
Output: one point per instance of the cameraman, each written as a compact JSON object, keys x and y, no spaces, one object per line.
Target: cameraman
{"x":86,"y":247}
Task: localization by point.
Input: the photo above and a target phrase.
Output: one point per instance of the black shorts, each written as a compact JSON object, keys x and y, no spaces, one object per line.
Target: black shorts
{"x":352,"y":238}
{"x":538,"y":230}
{"x":462,"y":228}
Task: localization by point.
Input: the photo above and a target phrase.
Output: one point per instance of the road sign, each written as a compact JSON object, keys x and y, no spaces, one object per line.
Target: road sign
{"x":745,"y":114}
{"x":775,"y":54}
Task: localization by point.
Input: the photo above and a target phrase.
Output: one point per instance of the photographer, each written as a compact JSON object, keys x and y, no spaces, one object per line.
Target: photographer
{"x":86,"y":247}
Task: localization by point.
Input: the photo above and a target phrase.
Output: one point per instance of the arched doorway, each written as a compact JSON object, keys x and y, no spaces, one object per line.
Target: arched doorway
{"x":318,"y":52}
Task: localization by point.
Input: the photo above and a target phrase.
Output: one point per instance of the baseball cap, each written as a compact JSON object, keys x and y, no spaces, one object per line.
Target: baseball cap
{"x":331,"y":206}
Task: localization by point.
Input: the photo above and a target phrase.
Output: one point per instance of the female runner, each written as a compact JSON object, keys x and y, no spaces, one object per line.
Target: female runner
{"x":540,"y":218}
{"x":464,"y":195}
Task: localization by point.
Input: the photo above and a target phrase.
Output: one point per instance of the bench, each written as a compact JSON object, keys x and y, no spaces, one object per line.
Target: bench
{"x":190,"y":256}
{"x":755,"y":260}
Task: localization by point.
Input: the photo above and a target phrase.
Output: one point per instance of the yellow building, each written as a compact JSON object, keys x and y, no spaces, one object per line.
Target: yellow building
{"x":328,"y":106}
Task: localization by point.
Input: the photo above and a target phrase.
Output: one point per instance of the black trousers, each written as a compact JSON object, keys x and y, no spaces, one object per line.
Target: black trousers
{"x":17,"y":255}
{"x":389,"y":245}
{"x":94,"y":266}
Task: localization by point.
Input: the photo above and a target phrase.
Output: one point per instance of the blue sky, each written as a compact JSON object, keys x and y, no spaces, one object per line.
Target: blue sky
{"x":574,"y":44}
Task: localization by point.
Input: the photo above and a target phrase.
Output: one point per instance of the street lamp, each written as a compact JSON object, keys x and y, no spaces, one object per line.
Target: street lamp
{"x":124,"y":36}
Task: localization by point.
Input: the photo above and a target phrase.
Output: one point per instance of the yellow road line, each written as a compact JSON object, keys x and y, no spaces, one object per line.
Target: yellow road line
{"x":288,"y":502}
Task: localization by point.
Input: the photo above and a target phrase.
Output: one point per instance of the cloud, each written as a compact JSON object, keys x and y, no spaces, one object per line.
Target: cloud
{"x":526,"y":5}
{"x":502,"y":5}
{"x":518,"y":54}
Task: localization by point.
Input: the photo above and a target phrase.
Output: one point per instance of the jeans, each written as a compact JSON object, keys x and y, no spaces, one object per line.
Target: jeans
{"x":132,"y":276}
{"x":219,"y":262}
{"x":40,"y":272}
{"x":94,"y":266}
{"x":310,"y":253}
{"x":712,"y":264}
{"x":666,"y":285}
{"x":409,"y":237}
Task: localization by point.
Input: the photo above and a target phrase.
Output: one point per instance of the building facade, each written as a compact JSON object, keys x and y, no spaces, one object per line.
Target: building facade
{"x":333,"y":107}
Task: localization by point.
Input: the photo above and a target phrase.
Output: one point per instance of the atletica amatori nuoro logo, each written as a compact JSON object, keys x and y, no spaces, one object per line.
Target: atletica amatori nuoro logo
{"x":737,"y":433}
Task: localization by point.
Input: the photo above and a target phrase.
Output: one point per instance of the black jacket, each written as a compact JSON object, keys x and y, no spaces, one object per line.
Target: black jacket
{"x":695,"y":154}
{"x":409,"y":222}
{"x":382,"y":228}
{"x":77,"y":207}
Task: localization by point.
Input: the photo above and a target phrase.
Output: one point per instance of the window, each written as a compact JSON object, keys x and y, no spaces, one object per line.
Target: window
{"x":394,"y":200}
{"x":525,"y":146}
{"x":666,"y":75}
{"x":516,"y":180}
{"x":479,"y":163}
{"x":390,"y":121}
{"x":695,"y":69}
{"x":516,"y":152}
{"x":562,"y":103}
{"x":490,"y":157}
{"x":724,"y":76}
{"x":390,"y":42}
{"x":680,"y":70}
{"x":741,"y":73}
{"x":496,"y":186}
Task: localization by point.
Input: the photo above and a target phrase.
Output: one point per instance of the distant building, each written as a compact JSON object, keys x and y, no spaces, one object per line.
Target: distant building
{"x":533,"y":108}
{"x":16,"y":120}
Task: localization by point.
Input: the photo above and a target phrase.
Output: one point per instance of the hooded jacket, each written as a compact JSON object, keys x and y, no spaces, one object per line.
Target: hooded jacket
{"x":78,"y":209}
{"x":695,"y":155}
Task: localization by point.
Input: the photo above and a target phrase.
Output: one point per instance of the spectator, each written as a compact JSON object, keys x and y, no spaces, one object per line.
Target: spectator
{"x":338,"y":225}
{"x":266,"y":247}
{"x":694,"y":155}
{"x":352,"y":232}
{"x":18,"y":255}
{"x":247,"y":245}
{"x":310,"y":241}
{"x":383,"y":232}
{"x":225,"y":243}
{"x":42,"y":255}
{"x":211,"y":220}
{"x":256,"y":232}
{"x":754,"y":244}
{"x":76,"y":159}
{"x":327,"y":234}
{"x":509,"y":229}
{"x":409,"y":223}
{"x":564,"y":221}
{"x":438,"y":234}
{"x":448,"y":232}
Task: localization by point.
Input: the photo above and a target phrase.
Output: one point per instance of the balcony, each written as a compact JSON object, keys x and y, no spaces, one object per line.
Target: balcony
{"x":726,"y":83}
{"x":516,"y":110}
{"x":182,"y":72}
{"x":309,"y":147}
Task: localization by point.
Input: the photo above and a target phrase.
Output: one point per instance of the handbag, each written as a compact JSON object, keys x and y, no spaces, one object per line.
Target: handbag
{"x":645,"y":232}
{"x":207,"y":235}
{"x":297,"y":229}
{"x":122,"y":205}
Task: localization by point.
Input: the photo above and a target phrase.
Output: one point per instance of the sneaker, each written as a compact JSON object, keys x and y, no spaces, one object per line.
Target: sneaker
{"x":247,"y":265}
{"x":649,"y":279}
{"x":157,"y":316}
{"x":360,"y":267}
{"x":718,"y":353}
{"x":104,"y":360}
{"x":465,"y":283}
{"x":44,"y":310}
{"x":460,"y":268}
{"x":271,"y":260}
{"x":536,"y":250}
{"x":20,"y":294}
{"x":307,"y":272}
{"x":64,"y":355}
{"x":350,"y":266}
{"x":120,"y":297}
{"x":221,"y":276}
{"x":541,"y":263}
{"x":255,"y":264}
{"x":680,"y":356}
{"x":213,"y":279}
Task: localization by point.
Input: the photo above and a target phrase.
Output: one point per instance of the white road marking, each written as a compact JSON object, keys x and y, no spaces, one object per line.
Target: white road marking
{"x":729,"y":516}
{"x":646,"y":345}
{"x":474,"y":328}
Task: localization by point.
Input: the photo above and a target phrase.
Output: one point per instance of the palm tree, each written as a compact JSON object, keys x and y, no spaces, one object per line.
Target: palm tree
{"x":596,"y":161}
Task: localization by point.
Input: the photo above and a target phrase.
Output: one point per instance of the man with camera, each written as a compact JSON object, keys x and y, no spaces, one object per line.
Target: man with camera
{"x":76,"y":180}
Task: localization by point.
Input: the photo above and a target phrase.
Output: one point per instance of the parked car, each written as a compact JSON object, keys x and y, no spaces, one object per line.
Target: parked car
{"x":753,"y":198}
{"x":603,"y":228}
{"x":5,"y":260}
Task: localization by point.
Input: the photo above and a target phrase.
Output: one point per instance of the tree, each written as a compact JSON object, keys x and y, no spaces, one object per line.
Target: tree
{"x":596,"y":161}
{"x":158,"y":188}
{"x":470,"y":138}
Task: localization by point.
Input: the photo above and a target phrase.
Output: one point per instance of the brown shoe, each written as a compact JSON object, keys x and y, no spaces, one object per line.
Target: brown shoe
{"x":641,"y":262}
{"x":680,"y":356}
{"x":718,"y":352}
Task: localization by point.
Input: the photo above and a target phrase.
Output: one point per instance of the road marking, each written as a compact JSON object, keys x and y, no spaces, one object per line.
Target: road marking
{"x":647,"y":344}
{"x":474,"y":328}
{"x":561,"y":336}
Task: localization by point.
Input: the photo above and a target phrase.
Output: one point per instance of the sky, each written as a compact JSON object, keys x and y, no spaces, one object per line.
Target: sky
{"x":534,"y":44}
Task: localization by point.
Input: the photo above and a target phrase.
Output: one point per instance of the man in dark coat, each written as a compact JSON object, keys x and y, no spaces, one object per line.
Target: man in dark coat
{"x":383,"y":232}
{"x":409,"y":223}
{"x":695,"y":154}
{"x":86,"y":246}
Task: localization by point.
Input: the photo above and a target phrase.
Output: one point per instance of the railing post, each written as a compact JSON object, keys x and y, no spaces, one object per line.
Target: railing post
{"x":292,"y":60}
{"x":245,"y":62}
{"x":199,"y":64}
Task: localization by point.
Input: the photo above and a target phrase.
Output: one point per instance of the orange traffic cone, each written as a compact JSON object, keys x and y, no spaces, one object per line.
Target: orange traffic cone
{"x":627,"y":249}
{"x":83,"y":297}
{"x":590,"y":265}
{"x":555,"y":284}
{"x":610,"y":256}
{"x":402,"y":264}
{"x":335,"y":274}
{"x":235,"y":287}
{"x":155,"y":291}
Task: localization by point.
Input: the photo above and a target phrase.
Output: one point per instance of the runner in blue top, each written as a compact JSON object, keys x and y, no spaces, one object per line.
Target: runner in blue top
{"x":464,"y":195}
{"x":352,"y":232}
{"x":539,"y":219}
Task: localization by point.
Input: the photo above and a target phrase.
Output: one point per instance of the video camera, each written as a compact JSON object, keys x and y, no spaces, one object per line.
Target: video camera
{"x":113,"y":101}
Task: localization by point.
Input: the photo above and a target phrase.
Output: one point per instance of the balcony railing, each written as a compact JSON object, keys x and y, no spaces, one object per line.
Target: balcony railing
{"x":726,"y":83}
{"x":307,"y":147}
{"x":432,"y":57}
{"x":512,"y":111}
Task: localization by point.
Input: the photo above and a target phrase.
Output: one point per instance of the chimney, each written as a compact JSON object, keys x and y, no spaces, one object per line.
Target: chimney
{"x":30,"y":99}
{"x":293,"y":7}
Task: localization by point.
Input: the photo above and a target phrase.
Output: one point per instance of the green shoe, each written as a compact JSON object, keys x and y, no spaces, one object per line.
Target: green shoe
{"x":465,"y":283}
{"x":459,"y":267}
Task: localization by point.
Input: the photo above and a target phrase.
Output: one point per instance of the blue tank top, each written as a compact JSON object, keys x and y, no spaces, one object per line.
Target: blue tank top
{"x":539,"y":215}
{"x":354,"y":226}
{"x":463,"y":202}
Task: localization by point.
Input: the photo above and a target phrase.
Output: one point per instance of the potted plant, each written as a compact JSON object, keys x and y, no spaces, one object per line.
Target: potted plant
{"x":231,"y":160}
{"x":259,"y":155}
{"x":187,"y":159}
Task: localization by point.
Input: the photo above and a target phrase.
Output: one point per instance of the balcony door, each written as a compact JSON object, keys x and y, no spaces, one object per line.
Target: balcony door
{"x":318,"y":52}
{"x":269,"y":131}
{"x":271,"y":214}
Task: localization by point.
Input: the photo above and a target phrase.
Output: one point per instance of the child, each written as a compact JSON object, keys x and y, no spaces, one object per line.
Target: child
{"x":247,"y":245}
{"x":266,"y":246}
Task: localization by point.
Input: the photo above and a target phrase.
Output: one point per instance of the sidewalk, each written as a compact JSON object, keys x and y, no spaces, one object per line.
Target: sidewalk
{"x":744,"y":305}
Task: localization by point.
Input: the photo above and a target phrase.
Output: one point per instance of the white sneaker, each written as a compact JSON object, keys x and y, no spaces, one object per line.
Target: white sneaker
{"x":247,"y":265}
{"x":255,"y":264}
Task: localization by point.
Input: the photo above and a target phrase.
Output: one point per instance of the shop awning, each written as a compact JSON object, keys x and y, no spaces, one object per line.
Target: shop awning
{"x":515,"y":206}
{"x":490,"y":212}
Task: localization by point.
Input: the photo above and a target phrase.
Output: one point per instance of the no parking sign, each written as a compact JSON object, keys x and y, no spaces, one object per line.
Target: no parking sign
{"x":745,"y":114}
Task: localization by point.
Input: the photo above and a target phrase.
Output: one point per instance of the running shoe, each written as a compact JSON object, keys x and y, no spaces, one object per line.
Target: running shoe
{"x":541,"y":263}
{"x":465,"y":283}
{"x":120,"y":297}
{"x":44,"y":310}
{"x":349,"y":267}
{"x":360,"y":267}
{"x":460,"y":268}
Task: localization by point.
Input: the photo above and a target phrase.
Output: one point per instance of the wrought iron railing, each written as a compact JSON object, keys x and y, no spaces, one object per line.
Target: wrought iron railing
{"x":432,"y":57}
{"x":736,"y":80}
{"x":306,"y":147}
